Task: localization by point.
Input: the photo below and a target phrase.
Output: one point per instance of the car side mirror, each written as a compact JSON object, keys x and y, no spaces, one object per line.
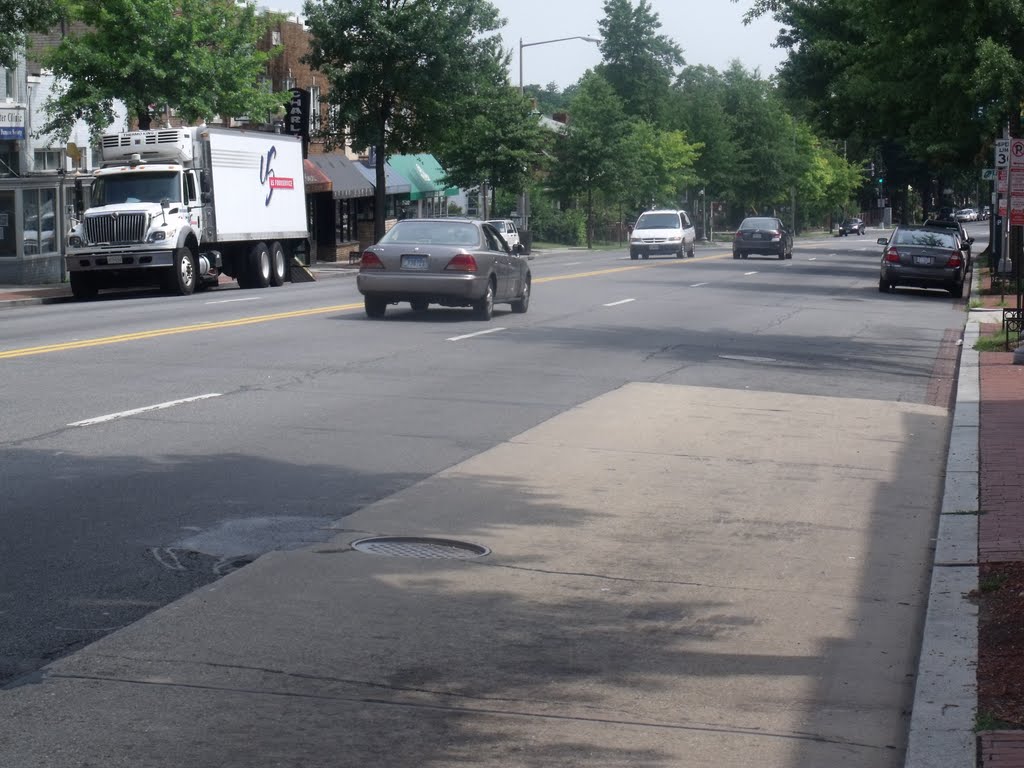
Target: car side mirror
{"x":970,"y":241}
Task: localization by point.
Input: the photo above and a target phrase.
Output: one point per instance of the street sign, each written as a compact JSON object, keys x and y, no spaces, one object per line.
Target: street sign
{"x":1001,"y":176}
{"x":1002,"y":153}
{"x":1017,"y":154}
{"x":988,"y":174}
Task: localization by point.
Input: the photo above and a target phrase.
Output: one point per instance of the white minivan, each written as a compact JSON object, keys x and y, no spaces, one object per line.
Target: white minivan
{"x":662,"y":231}
{"x":507,"y":229}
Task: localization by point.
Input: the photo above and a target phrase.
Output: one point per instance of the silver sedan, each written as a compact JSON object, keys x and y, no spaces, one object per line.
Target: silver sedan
{"x":451,"y":262}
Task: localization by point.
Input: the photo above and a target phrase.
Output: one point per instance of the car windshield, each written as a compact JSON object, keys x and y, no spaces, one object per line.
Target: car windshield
{"x":439,"y":232}
{"x":658,"y":221}
{"x":136,"y":188}
{"x":760,"y":223}
{"x":924,"y":238}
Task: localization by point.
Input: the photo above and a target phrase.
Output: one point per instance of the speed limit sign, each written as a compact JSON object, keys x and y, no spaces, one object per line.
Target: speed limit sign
{"x":1002,"y":153}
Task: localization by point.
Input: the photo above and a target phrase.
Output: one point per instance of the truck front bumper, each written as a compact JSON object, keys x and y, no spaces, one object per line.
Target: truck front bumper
{"x":118,"y":258}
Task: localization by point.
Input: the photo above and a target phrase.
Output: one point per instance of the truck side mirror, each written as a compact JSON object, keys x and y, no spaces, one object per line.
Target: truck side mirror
{"x":165,"y":203}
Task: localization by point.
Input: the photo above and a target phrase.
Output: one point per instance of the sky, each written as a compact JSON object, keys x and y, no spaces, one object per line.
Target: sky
{"x":710,"y":32}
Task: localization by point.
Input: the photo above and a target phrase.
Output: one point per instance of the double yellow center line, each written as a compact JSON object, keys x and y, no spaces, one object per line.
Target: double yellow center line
{"x":195,"y":327}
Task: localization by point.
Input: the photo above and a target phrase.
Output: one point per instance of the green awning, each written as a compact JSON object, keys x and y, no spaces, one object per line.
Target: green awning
{"x":425,"y":175}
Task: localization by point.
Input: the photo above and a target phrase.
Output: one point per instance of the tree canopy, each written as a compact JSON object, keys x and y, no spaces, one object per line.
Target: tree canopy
{"x":19,"y":17}
{"x":639,"y":63}
{"x":198,"y":57}
{"x":398,"y":71}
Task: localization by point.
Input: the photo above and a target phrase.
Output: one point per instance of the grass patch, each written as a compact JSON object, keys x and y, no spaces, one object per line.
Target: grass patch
{"x":997,"y":342}
{"x":991,"y":583}
{"x":986,"y":721}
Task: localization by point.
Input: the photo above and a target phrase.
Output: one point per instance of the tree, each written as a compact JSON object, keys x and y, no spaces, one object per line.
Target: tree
{"x":497,"y":143}
{"x":18,"y":17}
{"x":198,"y":57}
{"x":587,"y":154}
{"x":698,"y":106}
{"x":653,"y":167}
{"x":398,"y":70}
{"x":638,"y":62}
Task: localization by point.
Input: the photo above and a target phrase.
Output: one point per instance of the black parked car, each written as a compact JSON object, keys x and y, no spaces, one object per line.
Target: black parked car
{"x":852,"y":226}
{"x":922,"y":257}
{"x":965,"y":240}
{"x":762,"y":234}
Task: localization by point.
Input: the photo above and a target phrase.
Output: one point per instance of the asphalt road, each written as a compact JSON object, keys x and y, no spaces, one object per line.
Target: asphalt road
{"x":285,"y":411}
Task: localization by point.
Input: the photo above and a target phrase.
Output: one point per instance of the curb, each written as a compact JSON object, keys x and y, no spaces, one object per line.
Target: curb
{"x":945,"y":696}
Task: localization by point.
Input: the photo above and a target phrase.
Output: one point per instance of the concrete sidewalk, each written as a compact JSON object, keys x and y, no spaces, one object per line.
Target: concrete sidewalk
{"x":678,"y":576}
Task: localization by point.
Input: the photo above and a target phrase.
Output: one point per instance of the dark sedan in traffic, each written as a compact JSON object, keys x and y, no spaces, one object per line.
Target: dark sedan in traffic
{"x":922,"y":257}
{"x":451,"y":262}
{"x":763,"y":235}
{"x":852,"y":226}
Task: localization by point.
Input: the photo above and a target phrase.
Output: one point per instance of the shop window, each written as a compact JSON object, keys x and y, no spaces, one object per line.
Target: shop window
{"x":48,"y":159}
{"x":8,"y":245}
{"x":346,"y":221}
{"x":8,"y":159}
{"x":39,"y":222}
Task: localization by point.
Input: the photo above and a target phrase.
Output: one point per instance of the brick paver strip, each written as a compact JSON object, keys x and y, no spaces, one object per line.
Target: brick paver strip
{"x":1002,"y":749}
{"x":1001,"y":458}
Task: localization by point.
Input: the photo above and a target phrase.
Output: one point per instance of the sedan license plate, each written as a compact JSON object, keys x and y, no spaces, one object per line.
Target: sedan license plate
{"x":756,"y":236}
{"x":114,"y":260}
{"x":924,"y":261}
{"x":414,"y":261}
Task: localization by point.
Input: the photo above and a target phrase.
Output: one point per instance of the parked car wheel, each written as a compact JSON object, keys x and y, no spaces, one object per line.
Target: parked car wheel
{"x":883,"y":286}
{"x":957,"y":290}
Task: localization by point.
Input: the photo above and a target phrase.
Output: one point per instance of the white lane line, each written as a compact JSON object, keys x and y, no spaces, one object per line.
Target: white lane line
{"x":572,"y":264}
{"x":813,"y":258}
{"x":698,"y":285}
{"x":616,"y":303}
{"x":750,"y":273}
{"x":136,"y":411}
{"x":228,"y":301}
{"x":749,"y":358}
{"x":478,"y":333}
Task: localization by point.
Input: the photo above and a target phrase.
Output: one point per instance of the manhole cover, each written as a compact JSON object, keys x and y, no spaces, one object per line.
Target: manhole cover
{"x":415,"y":546}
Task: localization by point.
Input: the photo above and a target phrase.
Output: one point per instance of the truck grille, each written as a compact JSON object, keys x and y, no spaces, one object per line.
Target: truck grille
{"x":116,"y":228}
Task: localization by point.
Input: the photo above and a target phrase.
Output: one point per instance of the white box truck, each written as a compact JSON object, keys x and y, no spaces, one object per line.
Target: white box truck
{"x":178,"y":207}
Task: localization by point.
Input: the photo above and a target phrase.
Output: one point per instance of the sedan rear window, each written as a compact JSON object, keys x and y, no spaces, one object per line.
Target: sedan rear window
{"x":760,"y":223}
{"x":658,"y":221}
{"x":924,"y":238}
{"x":441,"y":232}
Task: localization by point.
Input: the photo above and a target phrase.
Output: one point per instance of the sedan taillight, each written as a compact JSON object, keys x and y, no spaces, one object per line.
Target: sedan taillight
{"x":955,"y":259}
{"x":461,"y":262}
{"x":892,"y":256}
{"x":370,"y":260}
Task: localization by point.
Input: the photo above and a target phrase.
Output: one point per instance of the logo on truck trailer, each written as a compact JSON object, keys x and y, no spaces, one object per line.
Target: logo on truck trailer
{"x":269,"y":179}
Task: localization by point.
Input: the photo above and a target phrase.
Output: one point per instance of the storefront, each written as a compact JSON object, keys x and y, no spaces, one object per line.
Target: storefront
{"x":32,"y":208}
{"x":426,"y":178}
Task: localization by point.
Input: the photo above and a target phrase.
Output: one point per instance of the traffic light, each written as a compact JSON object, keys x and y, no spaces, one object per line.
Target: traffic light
{"x":881,"y":180}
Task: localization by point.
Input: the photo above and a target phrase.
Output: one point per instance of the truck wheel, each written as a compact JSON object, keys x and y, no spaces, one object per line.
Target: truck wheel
{"x":259,"y":266}
{"x":183,"y":277}
{"x":83,"y":286}
{"x":278,"y":264}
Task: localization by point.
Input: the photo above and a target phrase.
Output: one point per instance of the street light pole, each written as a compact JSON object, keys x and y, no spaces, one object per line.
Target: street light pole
{"x":524,"y":198}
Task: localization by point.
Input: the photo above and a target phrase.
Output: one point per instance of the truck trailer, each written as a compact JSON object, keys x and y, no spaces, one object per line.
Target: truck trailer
{"x":178,"y":207}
